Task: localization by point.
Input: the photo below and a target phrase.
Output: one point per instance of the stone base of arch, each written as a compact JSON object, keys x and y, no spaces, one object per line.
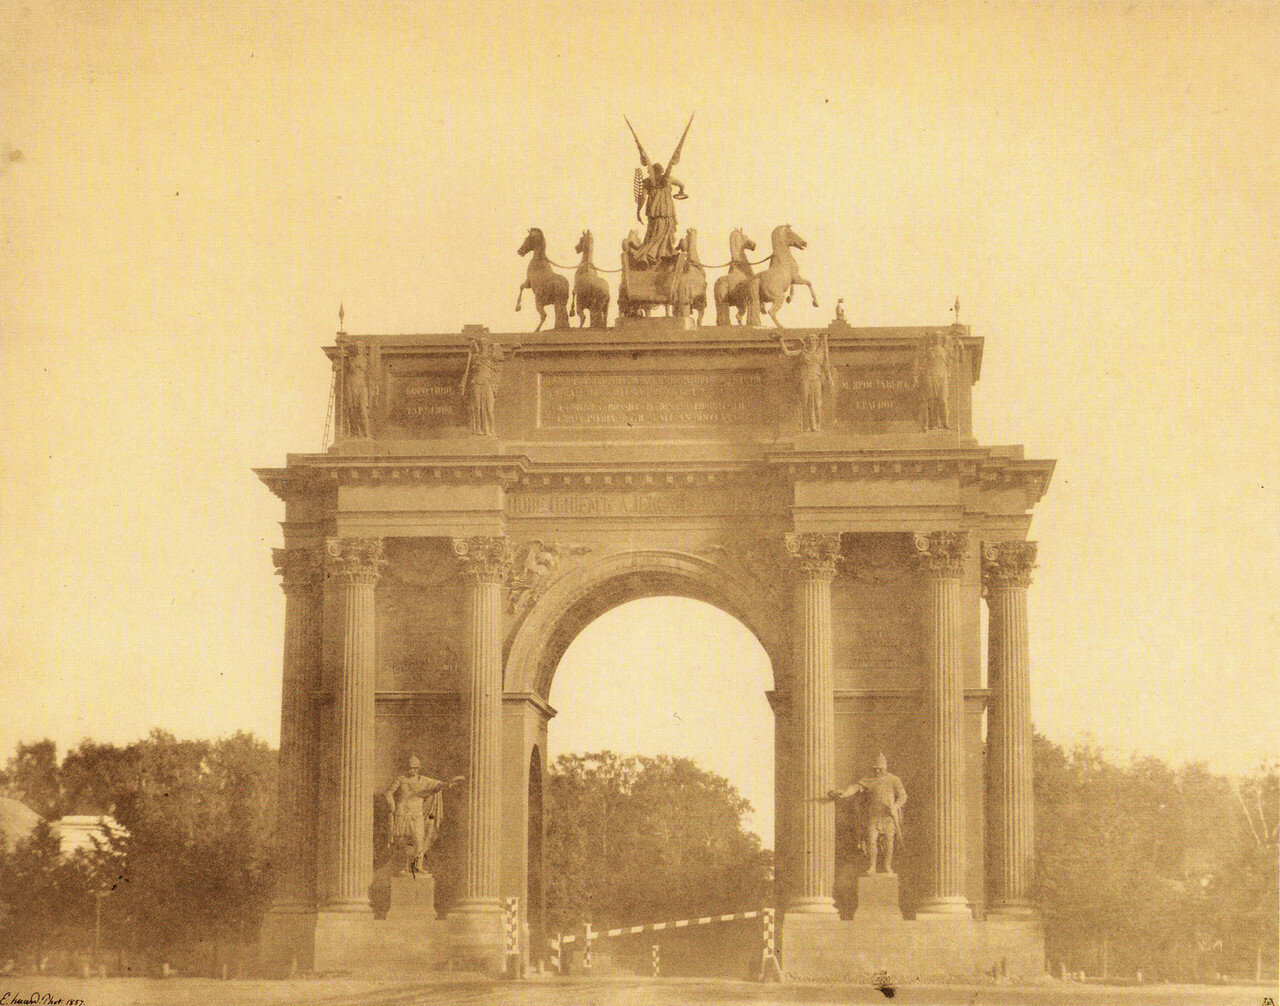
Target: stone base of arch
{"x":908,"y":951}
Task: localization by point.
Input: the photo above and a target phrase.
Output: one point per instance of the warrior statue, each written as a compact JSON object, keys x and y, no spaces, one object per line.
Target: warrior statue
{"x":883,"y":796}
{"x":656,"y":191}
{"x":416,"y":804}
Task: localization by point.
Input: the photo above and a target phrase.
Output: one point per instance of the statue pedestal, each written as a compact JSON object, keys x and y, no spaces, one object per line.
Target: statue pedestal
{"x":413,"y":896}
{"x":878,"y":896}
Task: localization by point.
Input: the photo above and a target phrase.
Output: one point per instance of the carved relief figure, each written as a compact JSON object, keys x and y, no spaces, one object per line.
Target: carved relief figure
{"x":590,"y":291}
{"x":733,"y":289}
{"x":358,"y":393}
{"x":883,"y":797}
{"x":416,"y":802}
{"x":480,"y":382}
{"x":816,"y":377}
{"x":933,"y":378}
{"x":548,"y":286}
{"x":656,"y":190}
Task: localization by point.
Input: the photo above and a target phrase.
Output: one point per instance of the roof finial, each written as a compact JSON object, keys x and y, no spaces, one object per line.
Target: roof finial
{"x":956,"y":308}
{"x":341,"y":315}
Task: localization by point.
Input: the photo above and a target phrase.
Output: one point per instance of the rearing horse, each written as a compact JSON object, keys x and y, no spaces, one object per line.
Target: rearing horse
{"x":548,"y":287}
{"x":732,"y":289}
{"x":773,"y":285}
{"x":590,"y":291}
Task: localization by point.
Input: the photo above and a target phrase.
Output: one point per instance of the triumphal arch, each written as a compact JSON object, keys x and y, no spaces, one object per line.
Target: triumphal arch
{"x":489,"y":494}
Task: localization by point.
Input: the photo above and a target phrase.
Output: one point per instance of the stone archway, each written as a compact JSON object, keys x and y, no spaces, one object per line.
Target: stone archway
{"x":578,"y":594}
{"x":590,"y":588}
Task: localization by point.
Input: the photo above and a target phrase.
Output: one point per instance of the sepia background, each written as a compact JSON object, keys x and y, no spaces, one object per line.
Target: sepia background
{"x":187,"y":194}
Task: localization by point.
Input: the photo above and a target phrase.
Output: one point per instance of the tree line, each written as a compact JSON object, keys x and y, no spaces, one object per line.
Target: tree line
{"x":1140,"y":867}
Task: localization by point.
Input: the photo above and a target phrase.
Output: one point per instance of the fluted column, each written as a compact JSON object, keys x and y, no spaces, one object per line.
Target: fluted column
{"x":486,"y":561}
{"x":1006,"y":574}
{"x":299,"y":570}
{"x":354,"y":564}
{"x":813,"y":708}
{"x":941,"y":556}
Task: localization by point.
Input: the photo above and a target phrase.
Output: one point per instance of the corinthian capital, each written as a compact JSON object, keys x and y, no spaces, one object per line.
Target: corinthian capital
{"x":941,"y":553}
{"x":358,"y":560}
{"x":814,"y":553}
{"x":299,"y":568}
{"x":485,"y":557}
{"x":1007,"y":563}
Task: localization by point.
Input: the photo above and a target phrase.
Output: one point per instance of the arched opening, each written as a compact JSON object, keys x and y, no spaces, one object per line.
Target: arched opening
{"x":677,"y":676}
{"x":658,"y":653}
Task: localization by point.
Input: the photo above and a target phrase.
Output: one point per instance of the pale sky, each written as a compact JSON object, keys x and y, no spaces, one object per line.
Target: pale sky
{"x":186,"y":197}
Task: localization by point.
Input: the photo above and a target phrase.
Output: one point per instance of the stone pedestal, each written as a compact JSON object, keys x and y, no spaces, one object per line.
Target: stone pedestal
{"x":814,"y":557}
{"x":412,"y":897}
{"x":878,"y":896}
{"x":941,"y":556}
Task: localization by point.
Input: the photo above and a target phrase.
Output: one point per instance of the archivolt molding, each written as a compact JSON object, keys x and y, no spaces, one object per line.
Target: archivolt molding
{"x":555,"y":617}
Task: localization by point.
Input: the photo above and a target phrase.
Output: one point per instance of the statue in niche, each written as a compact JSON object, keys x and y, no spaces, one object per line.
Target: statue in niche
{"x":417,"y":803}
{"x":358,"y":395}
{"x":480,"y":382}
{"x":816,"y":376}
{"x":933,"y":377}
{"x":883,"y":797}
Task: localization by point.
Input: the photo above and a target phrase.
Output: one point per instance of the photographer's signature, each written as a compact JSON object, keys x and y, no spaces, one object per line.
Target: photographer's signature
{"x":37,"y":999}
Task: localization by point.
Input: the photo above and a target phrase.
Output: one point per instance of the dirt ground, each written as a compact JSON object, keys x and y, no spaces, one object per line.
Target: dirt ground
{"x":446,"y":991}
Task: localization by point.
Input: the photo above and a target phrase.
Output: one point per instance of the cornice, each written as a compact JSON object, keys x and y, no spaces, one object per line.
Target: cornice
{"x":309,"y":475}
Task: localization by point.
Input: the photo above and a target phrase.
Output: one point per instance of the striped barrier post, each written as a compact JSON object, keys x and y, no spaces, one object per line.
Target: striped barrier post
{"x":511,"y":936}
{"x":587,"y":937}
{"x":553,"y":946}
{"x":770,"y":969}
{"x":656,"y":969}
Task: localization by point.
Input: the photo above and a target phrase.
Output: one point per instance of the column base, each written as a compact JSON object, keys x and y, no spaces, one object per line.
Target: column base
{"x":316,"y":941}
{"x":812,"y":906}
{"x":1014,"y":908}
{"x":476,"y":938}
{"x":956,"y":905}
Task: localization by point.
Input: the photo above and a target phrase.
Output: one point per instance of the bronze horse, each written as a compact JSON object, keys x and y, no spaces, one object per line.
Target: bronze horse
{"x":773,"y":286}
{"x":689,"y":287}
{"x":548,"y":287}
{"x":590,"y":291}
{"x":733,"y":289}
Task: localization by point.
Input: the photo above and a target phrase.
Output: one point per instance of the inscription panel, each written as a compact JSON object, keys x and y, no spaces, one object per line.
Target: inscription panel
{"x":423,"y":399}
{"x":577,"y":399}
{"x":878,"y":396}
{"x":626,"y":503}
